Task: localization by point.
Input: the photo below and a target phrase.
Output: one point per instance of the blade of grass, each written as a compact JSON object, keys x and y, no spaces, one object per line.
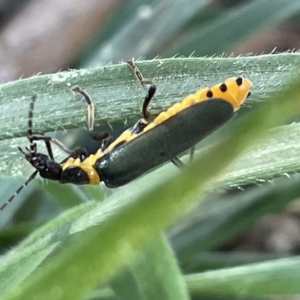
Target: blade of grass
{"x":112,"y":25}
{"x":277,"y":277}
{"x":255,"y":15}
{"x":153,"y":274}
{"x":103,"y":249}
{"x":40,"y":243}
{"x":274,"y":155}
{"x":219,"y":220}
{"x":214,"y":260}
{"x":116,"y":94}
{"x":155,"y":23}
{"x":66,"y":196}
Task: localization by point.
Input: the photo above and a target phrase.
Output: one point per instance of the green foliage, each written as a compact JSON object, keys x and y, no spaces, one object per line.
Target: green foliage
{"x":119,"y":244}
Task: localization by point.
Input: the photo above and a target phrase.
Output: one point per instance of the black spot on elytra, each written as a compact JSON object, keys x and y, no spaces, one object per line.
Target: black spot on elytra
{"x":223,"y":87}
{"x":209,"y":94}
{"x":239,"y":81}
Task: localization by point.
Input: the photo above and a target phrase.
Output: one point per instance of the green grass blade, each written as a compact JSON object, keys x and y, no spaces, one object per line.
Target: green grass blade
{"x":115,"y":22}
{"x":238,"y":23}
{"x":219,"y":220}
{"x":66,"y":196}
{"x":39,"y":244}
{"x":153,"y":274}
{"x":117,"y":95}
{"x":130,"y":224}
{"x":277,"y":277}
{"x":155,"y":23}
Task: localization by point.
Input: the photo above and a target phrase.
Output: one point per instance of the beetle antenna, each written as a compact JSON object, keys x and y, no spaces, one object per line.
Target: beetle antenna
{"x":32,"y":149}
{"x":31,"y":177}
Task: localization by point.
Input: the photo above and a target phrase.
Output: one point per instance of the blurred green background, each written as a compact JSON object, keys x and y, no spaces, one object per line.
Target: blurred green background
{"x":234,"y":225}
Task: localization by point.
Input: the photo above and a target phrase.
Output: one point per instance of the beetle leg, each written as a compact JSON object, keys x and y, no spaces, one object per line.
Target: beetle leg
{"x":147,"y":84}
{"x":95,"y":135}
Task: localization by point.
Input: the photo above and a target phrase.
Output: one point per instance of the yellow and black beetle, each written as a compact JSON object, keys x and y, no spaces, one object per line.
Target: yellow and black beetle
{"x":144,"y":146}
